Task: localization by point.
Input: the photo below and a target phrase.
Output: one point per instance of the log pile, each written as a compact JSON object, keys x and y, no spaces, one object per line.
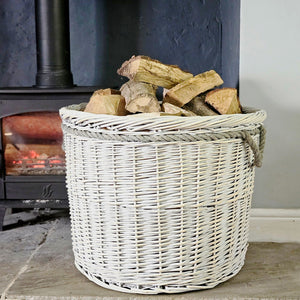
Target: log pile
{"x":184,"y":94}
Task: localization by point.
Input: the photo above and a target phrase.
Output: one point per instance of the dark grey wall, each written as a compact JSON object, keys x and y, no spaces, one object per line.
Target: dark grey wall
{"x":230,"y":16}
{"x":196,"y":35}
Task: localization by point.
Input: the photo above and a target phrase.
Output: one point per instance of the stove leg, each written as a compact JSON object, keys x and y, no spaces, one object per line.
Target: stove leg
{"x":2,"y":214}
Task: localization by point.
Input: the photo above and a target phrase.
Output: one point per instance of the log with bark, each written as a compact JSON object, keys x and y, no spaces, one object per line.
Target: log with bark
{"x":144,"y":69}
{"x":185,"y":91}
{"x":152,"y":114}
{"x":225,"y":101}
{"x":199,"y":107}
{"x":140,"y":97}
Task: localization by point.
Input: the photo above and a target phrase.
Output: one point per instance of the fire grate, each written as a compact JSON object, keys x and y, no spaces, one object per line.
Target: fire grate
{"x":37,"y":165}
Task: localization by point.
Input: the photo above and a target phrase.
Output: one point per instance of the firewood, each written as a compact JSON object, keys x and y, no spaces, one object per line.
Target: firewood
{"x":225,"y":101}
{"x":152,"y":114}
{"x":107,"y":104}
{"x":145,"y":69}
{"x":199,"y":107}
{"x":165,"y":92}
{"x":175,"y":110}
{"x":140,"y":97}
{"x":106,"y":92}
{"x":185,"y":91}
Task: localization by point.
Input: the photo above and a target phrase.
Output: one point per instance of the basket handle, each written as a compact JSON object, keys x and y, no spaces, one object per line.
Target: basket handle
{"x":257,"y":150}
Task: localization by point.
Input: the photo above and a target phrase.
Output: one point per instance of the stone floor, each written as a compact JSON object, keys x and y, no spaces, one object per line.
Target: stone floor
{"x":36,"y":262}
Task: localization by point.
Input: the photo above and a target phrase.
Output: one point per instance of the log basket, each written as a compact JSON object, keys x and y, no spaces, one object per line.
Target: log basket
{"x":160,"y":204}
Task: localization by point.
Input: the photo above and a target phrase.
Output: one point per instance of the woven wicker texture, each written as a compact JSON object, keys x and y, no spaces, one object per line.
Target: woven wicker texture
{"x":164,"y":214}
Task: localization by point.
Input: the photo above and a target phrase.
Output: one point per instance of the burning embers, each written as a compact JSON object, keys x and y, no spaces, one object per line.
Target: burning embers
{"x":33,"y":144}
{"x":31,"y":163}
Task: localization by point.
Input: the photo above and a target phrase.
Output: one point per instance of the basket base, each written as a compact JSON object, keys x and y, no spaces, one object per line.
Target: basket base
{"x":153,"y":289}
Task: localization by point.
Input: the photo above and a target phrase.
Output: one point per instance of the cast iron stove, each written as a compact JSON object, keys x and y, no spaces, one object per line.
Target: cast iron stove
{"x":32,"y":167}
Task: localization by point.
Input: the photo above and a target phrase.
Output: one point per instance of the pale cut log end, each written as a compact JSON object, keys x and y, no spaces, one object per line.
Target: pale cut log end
{"x":130,"y":67}
{"x":175,"y":110}
{"x":224,"y":100}
{"x":140,"y":97}
{"x":107,"y":104}
{"x":144,"y":103}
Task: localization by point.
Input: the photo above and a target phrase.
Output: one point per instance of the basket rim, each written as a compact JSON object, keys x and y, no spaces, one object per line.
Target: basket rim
{"x":73,"y":116}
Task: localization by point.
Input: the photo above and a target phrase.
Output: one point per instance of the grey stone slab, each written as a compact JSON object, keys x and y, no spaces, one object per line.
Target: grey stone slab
{"x":52,"y":271}
{"x":16,"y":246}
{"x":271,"y":270}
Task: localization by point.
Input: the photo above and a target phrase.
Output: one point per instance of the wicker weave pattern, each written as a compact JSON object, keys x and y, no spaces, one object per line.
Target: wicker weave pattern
{"x":151,"y":217}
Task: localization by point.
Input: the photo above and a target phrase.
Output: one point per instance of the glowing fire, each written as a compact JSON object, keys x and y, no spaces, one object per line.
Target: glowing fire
{"x":38,"y":161}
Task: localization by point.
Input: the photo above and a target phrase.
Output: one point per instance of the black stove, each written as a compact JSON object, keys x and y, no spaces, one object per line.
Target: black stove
{"x":32,"y":169}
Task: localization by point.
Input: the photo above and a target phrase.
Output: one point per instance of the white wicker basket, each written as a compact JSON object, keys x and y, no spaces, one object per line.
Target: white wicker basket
{"x":160,"y":204}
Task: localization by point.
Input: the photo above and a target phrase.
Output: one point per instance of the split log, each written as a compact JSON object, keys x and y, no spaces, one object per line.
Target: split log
{"x":165,"y":92}
{"x":175,"y":110}
{"x":185,"y":91}
{"x":199,"y":107}
{"x":225,"y":101}
{"x":145,"y":69}
{"x":107,"y":104}
{"x":106,"y":92}
{"x":140,"y":97}
{"x":152,"y":114}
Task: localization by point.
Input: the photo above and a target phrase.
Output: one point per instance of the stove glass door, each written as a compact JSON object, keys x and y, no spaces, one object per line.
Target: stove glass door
{"x":33,"y":144}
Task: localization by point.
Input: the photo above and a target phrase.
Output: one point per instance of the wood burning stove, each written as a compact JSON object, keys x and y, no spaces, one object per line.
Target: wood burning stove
{"x":32,"y":165}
